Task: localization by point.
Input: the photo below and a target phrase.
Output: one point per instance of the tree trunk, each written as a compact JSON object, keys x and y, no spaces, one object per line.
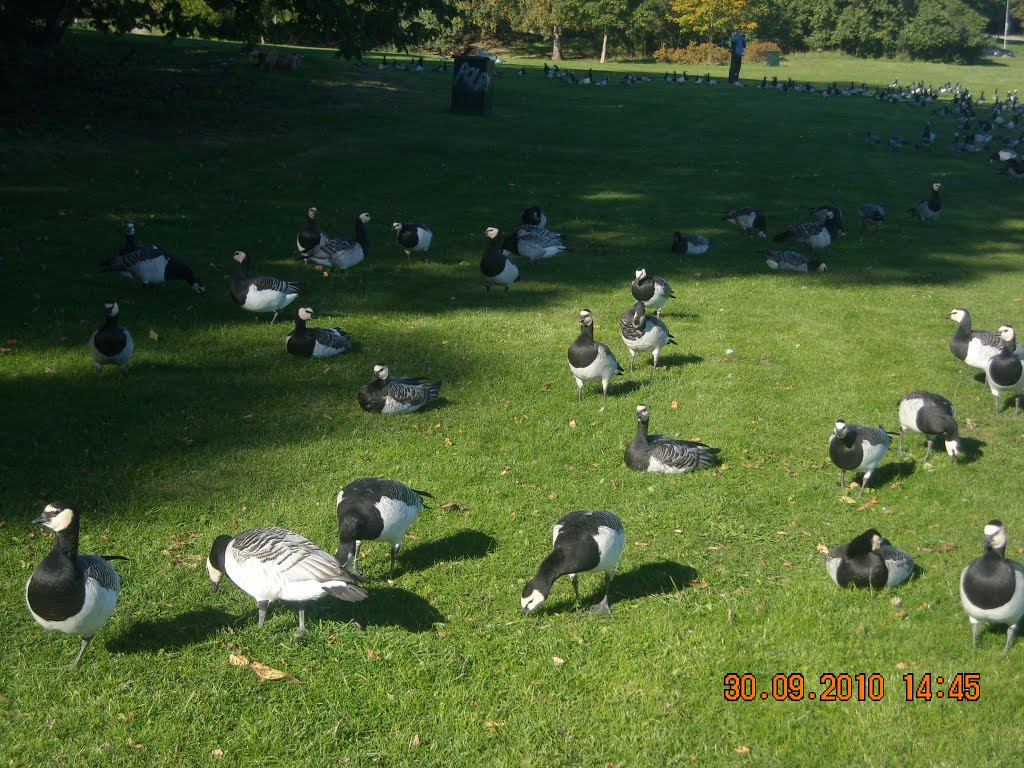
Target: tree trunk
{"x":556,"y":42}
{"x":57,"y":24}
{"x":604,"y":46}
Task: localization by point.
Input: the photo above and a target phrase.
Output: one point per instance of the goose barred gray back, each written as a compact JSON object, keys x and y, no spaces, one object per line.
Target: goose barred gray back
{"x":823,"y":213}
{"x":149,"y":264}
{"x":659,"y":453}
{"x":816,"y":234}
{"x":792,"y":261}
{"x":582,"y":541}
{"x":395,"y":394}
{"x":869,"y":561}
{"x":857,"y":448}
{"x":750,"y":220}
{"x":1005,"y":372}
{"x":261,"y":293}
{"x":992,"y":586}
{"x":373,"y":509}
{"x":341,"y":252}
{"x":690,"y":245}
{"x":872,"y":214}
{"x":653,"y":290}
{"x":68,"y":592}
{"x":534,"y":242}
{"x":111,"y":344}
{"x":590,"y":360}
{"x":929,"y":414}
{"x":975,"y":348}
{"x":277,"y":564}
{"x":928,"y":210}
{"x":642,"y":333}
{"x":310,"y":235}
{"x":315,"y":342}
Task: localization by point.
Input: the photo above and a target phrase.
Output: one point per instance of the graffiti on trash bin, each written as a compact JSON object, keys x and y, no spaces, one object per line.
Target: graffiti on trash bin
{"x":470,"y":78}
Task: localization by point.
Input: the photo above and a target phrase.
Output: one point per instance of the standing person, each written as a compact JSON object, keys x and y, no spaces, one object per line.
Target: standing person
{"x":737,"y":45}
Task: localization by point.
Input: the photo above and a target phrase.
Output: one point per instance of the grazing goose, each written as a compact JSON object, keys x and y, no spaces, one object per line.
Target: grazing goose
{"x":277,"y":564}
{"x":310,"y":235}
{"x":659,"y":453}
{"x":68,"y":592}
{"x":992,"y":586}
{"x":791,"y":261}
{"x":975,"y":348}
{"x":871,"y":138}
{"x":111,"y":344}
{"x":932,"y":415}
{"x":535,"y":216}
{"x":652,"y":290}
{"x":822,"y":213}
{"x":315,"y":342}
{"x":643,"y":333}
{"x":341,"y":252}
{"x":690,"y":245}
{"x":372,"y":509}
{"x":149,"y":264}
{"x":928,"y":210}
{"x":897,"y":142}
{"x":872,"y":214}
{"x":495,"y":266}
{"x":869,"y":561}
{"x":750,"y":220}
{"x":533,"y":242}
{"x":590,"y":360}
{"x":857,"y":448}
{"x":1005,"y":373}
{"x":394,"y":394}
{"x":816,"y":234}
{"x":582,"y":542}
{"x":413,"y":237}
{"x":261,"y":293}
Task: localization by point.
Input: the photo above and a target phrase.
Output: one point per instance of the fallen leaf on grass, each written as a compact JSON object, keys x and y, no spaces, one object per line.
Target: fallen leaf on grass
{"x":154,"y":335}
{"x":557,"y":661}
{"x":218,"y":752}
{"x":742,"y":749}
{"x":868,"y":504}
{"x":572,"y":423}
{"x":453,"y":505}
{"x":262,"y":670}
{"x":786,"y":564}
{"x":134,"y":744}
{"x":697,"y":584}
{"x":822,"y":548}
{"x":848,"y":499}
{"x":674,"y":404}
{"x":494,"y":724}
{"x":553,"y":495}
{"x":546,"y":386}
{"x":415,"y":740}
{"x":372,"y":655}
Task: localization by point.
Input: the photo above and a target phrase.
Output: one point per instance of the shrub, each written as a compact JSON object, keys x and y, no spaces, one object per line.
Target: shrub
{"x":944,"y":30}
{"x":694,"y":53}
{"x":758,"y":52}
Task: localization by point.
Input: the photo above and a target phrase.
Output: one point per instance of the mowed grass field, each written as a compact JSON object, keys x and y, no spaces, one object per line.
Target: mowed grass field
{"x":216,"y":429}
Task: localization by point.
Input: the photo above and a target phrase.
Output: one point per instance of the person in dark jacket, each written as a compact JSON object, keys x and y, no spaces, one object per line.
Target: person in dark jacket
{"x":737,"y":45}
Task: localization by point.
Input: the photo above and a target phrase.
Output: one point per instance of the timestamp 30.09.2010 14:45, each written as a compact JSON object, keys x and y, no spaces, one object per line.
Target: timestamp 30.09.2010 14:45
{"x":843,"y":686}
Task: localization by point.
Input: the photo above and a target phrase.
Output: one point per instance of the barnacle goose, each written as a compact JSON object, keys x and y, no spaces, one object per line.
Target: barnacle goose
{"x":659,"y":453}
{"x":816,"y":234}
{"x":975,"y":348}
{"x":869,"y":561}
{"x":261,"y":293}
{"x":534,"y":242}
{"x":372,"y":509}
{"x":928,"y":210}
{"x":315,"y":342}
{"x":149,"y":264}
{"x":872,"y":214}
{"x":590,"y":360}
{"x":340,"y":252}
{"x":535,"y":216}
{"x":750,"y":220}
{"x":792,"y":261}
{"x":413,"y":237}
{"x":821,"y":214}
{"x":1005,"y":372}
{"x":582,"y":541}
{"x":111,"y":344}
{"x":68,"y":592}
{"x":642,"y":333}
{"x":857,"y":448}
{"x":690,"y":245}
{"x":394,"y":394}
{"x":277,"y":564}
{"x":992,"y":586}
{"x":310,"y":235}
{"x":653,"y":290}
{"x":929,"y":414}
{"x":495,"y":266}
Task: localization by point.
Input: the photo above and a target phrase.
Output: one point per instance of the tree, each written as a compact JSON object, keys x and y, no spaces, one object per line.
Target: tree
{"x":944,"y":30}
{"x":712,"y":19}
{"x":600,"y":15}
{"x":649,"y":28}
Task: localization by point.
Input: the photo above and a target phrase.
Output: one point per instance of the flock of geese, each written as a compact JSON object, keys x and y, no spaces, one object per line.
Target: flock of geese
{"x":76,"y":594}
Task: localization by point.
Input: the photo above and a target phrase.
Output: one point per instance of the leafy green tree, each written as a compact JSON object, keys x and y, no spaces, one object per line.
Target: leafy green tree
{"x":712,"y":20}
{"x":944,"y":30}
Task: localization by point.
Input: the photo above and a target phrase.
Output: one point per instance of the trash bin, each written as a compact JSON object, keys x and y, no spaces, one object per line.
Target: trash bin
{"x":472,"y":85}
{"x":772,"y":58}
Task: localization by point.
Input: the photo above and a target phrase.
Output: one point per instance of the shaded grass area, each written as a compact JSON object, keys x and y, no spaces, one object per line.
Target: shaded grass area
{"x":216,"y":429}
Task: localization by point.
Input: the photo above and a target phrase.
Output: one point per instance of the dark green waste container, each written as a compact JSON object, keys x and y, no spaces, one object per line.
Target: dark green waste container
{"x":472,"y":85}
{"x":772,"y":58}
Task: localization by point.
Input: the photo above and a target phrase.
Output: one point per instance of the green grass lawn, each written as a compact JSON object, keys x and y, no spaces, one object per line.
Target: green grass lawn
{"x":215,"y":428}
